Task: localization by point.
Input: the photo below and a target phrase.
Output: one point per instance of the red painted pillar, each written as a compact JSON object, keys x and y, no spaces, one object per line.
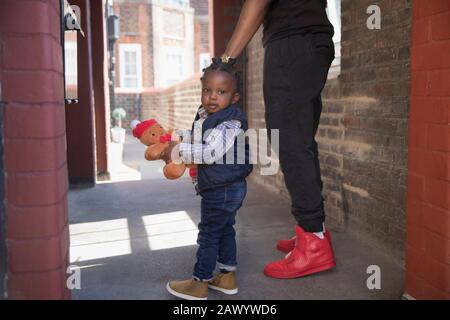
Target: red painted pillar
{"x":35,"y":150}
{"x":223,"y":15}
{"x":81,"y":154}
{"x":428,"y":200}
{"x":100,"y":84}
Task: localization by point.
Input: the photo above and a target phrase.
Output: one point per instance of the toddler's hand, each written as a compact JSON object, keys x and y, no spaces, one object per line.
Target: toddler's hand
{"x":166,"y":154}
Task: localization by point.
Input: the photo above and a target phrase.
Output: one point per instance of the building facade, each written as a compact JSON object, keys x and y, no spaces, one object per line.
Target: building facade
{"x":162,"y":42}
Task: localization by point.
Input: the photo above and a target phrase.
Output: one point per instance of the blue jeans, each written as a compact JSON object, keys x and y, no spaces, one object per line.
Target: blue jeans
{"x":216,"y":236}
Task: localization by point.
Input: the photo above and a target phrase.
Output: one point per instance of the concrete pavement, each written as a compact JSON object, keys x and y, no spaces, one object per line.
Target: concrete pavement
{"x":130,"y":237}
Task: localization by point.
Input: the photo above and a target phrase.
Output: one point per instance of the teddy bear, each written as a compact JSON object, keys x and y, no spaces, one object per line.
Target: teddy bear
{"x":153,"y":135}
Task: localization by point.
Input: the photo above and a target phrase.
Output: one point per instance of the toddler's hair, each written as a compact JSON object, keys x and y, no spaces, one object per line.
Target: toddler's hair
{"x":228,"y":67}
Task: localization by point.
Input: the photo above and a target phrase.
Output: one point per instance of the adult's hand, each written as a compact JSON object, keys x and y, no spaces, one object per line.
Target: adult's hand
{"x":251,"y":17}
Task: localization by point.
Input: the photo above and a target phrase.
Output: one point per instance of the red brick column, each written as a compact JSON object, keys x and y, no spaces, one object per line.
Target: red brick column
{"x":100,"y":83}
{"x":223,"y":16}
{"x":428,"y":202}
{"x":80,"y":119}
{"x":35,"y":150}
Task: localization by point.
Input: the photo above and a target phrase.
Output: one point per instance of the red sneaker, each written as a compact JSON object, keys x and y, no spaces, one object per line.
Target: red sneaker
{"x":287,"y":245}
{"x":310,"y":255}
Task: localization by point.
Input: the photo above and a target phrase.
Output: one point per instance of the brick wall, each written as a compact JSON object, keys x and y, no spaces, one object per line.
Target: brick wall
{"x":428,"y":203}
{"x":136,"y":28}
{"x":363,"y":130}
{"x":200,"y":6}
{"x":255,"y":107}
{"x":36,"y":191}
{"x":201,"y":25}
{"x":174,"y":107}
{"x":201,"y":39}
{"x":131,"y":102}
{"x":204,"y":34}
{"x":129,"y":17}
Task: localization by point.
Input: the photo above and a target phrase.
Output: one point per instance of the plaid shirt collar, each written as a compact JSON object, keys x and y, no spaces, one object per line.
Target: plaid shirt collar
{"x":202,"y":113}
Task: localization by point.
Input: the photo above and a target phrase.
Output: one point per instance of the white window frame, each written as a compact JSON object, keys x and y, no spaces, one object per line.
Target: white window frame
{"x":334,"y":15}
{"x":136,"y":47}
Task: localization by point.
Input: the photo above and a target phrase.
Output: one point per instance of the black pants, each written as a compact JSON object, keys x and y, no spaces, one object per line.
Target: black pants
{"x":295,"y":72}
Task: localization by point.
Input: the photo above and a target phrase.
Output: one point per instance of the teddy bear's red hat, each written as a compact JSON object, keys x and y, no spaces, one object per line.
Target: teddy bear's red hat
{"x":142,"y":126}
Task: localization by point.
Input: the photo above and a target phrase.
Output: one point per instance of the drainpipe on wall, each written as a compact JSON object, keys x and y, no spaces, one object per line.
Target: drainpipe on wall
{"x":113,"y":31}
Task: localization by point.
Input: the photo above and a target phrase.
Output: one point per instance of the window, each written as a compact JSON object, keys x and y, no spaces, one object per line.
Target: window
{"x":173,"y":25}
{"x":334,"y":14}
{"x":130,"y":66}
{"x":205,"y":60}
{"x":174,"y":68}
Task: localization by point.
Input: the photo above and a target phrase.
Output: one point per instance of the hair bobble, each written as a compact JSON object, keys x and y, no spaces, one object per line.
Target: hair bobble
{"x":228,"y":67}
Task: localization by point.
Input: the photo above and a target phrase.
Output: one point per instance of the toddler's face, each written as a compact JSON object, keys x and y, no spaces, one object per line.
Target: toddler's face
{"x":218,"y":91}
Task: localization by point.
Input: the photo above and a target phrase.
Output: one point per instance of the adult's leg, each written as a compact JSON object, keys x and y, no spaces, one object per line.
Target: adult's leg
{"x":295,"y":71}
